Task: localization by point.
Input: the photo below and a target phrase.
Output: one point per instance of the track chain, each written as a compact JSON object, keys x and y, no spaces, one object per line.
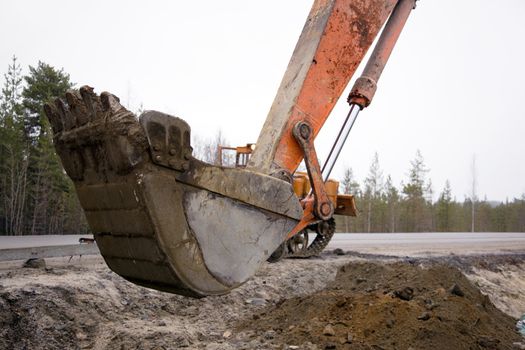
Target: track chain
{"x":325,"y":231}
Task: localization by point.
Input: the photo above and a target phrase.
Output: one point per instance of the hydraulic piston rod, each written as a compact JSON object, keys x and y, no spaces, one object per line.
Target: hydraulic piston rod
{"x":340,"y":141}
{"x":365,"y":86}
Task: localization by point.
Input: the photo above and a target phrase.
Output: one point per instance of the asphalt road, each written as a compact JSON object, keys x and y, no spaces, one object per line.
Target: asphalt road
{"x":413,"y":244}
{"x":12,"y":242}
{"x":431,"y":243}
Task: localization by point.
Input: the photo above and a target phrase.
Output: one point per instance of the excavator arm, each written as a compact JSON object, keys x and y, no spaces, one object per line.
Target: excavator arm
{"x":165,"y":220}
{"x":336,"y":37}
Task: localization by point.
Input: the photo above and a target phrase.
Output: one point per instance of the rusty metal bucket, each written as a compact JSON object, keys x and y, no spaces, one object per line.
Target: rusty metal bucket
{"x":162,"y":218}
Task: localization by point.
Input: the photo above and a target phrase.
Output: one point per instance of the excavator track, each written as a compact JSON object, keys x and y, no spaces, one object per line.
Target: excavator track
{"x":324,"y":230}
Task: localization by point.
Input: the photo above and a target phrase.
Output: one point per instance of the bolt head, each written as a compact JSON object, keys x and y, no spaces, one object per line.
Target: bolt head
{"x":326,"y":208}
{"x":304,"y":131}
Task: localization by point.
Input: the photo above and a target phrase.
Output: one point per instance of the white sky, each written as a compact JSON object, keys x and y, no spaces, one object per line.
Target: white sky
{"x":452,"y":88}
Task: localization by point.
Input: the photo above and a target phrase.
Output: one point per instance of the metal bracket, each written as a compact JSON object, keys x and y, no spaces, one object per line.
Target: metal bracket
{"x":169,"y":139}
{"x":303,"y":134}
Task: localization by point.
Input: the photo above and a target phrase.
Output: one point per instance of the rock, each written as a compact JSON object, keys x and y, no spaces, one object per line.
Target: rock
{"x":339,"y":251}
{"x":269,"y":334}
{"x":520,"y":325}
{"x":488,"y":343}
{"x":349,"y":338}
{"x":430,"y":305}
{"x":183,"y":343}
{"x":341,"y":303}
{"x":424,"y":316}
{"x":35,"y":263}
{"x":262,"y":295}
{"x":309,"y":346}
{"x":227,"y":334}
{"x":330,"y":346}
{"x":293,"y":347}
{"x":518,"y":345}
{"x":80,"y":335}
{"x":406,"y":293}
{"x":59,"y":326}
{"x":456,"y":290}
{"x":329,"y":330}
{"x":217,"y":346}
{"x":390,"y":323}
{"x":258,"y":301}
{"x":28,"y":291}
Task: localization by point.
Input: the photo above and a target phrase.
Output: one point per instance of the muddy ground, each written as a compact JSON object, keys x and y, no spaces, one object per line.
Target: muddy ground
{"x":375,"y":302}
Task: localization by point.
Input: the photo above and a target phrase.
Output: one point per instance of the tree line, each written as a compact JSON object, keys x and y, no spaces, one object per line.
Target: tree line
{"x":383,"y":207}
{"x":37,"y":197}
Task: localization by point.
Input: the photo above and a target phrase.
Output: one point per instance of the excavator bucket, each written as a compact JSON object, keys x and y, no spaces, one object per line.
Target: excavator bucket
{"x":162,"y":218}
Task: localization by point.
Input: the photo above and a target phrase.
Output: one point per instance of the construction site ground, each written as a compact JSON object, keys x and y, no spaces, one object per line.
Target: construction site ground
{"x":350,"y":301}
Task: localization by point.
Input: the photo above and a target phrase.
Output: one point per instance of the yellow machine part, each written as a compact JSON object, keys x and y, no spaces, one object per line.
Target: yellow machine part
{"x":344,"y":204}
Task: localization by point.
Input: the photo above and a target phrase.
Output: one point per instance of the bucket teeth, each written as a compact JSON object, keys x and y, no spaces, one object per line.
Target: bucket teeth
{"x":92,"y":102}
{"x":94,"y":136}
{"x":78,"y":108}
{"x":54,"y":119}
{"x":162,"y":218}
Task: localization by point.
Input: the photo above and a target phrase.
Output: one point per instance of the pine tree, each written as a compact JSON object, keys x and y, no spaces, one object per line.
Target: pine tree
{"x":443,"y":209}
{"x":50,"y":190}
{"x":372,"y":194}
{"x":392,"y":201}
{"x":13,"y":153}
{"x":350,"y":186}
{"x":414,"y":191}
{"x":43,"y":84}
{"x":10,"y":101}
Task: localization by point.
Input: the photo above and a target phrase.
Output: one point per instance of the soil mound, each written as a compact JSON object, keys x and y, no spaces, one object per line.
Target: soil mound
{"x":390,"y":306}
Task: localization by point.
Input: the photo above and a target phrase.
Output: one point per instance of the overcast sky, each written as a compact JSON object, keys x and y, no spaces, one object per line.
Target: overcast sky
{"x":453,"y":87}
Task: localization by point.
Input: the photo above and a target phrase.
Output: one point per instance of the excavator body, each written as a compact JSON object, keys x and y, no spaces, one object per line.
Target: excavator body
{"x":164,"y":219}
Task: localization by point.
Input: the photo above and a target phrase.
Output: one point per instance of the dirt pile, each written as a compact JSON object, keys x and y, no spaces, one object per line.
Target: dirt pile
{"x":83,"y":305}
{"x":389,"y":306}
{"x":86,"y":306}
